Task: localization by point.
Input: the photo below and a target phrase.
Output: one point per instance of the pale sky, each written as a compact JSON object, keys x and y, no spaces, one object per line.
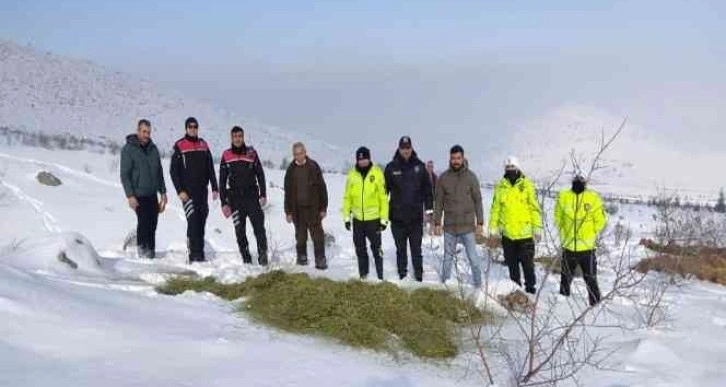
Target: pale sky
{"x":357,"y":73}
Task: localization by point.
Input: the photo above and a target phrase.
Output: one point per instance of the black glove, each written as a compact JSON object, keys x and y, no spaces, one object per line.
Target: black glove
{"x":347,"y":225}
{"x":382,"y":227}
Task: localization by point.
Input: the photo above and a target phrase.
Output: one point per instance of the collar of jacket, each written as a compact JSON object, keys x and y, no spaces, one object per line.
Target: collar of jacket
{"x":190,"y":138}
{"x":239,"y":150}
{"x":505,"y":182}
{"x":458,"y":171}
{"x":364,"y":171}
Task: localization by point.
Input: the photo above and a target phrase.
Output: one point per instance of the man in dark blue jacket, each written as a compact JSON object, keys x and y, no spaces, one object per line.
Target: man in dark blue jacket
{"x":192,"y":171}
{"x":143,"y":179}
{"x":410,"y":191}
{"x":244,"y":193}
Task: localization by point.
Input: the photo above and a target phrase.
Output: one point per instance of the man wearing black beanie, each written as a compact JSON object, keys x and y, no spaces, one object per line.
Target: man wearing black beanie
{"x":192,"y":171}
{"x":365,"y":199}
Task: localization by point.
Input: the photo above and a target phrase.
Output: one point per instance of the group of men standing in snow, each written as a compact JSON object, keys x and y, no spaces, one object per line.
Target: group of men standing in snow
{"x":405,"y":195}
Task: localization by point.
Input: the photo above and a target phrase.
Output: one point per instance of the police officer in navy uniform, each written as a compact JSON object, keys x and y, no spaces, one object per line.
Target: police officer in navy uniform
{"x":192,"y":171}
{"x":409,"y":186}
{"x":243,"y":194}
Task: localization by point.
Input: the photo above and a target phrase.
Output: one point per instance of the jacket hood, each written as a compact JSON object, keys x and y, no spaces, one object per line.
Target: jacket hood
{"x":133,"y":139}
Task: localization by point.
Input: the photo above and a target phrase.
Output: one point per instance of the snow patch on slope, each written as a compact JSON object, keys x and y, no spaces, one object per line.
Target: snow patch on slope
{"x":42,"y":92}
{"x":637,"y":164}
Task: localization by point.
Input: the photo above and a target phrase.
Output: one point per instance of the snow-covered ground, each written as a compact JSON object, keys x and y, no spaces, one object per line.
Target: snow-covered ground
{"x":103,"y":324}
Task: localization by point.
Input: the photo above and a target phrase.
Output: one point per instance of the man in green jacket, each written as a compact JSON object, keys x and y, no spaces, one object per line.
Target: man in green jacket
{"x":143,"y":178}
{"x":458,"y":205}
{"x":580,"y":217}
{"x":516,"y":218}
{"x":366,"y":200}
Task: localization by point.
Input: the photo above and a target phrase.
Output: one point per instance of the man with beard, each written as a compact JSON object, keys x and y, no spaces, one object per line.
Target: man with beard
{"x":409,"y":187}
{"x":243,"y":194}
{"x":516,"y":218}
{"x":458,"y":203}
{"x":143,"y":179}
{"x":580,"y":217}
{"x":192,"y":171}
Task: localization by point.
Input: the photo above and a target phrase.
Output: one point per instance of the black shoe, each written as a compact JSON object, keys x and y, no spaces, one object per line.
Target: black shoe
{"x":402,"y":277}
{"x":262,"y":259}
{"x":246,"y":257}
{"x":196,"y":259}
{"x":531,"y":290}
{"x":321,"y":267}
{"x":144,"y":253}
{"x":302,"y":261}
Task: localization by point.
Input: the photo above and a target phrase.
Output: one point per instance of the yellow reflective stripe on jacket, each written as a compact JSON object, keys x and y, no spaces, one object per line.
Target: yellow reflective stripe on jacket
{"x":579,"y":219}
{"x":365,"y":199}
{"x":515,"y":211}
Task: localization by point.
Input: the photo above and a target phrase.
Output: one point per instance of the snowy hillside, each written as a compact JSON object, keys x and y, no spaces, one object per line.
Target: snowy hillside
{"x":637,"y":164}
{"x":42,"y":92}
{"x":102,"y":322}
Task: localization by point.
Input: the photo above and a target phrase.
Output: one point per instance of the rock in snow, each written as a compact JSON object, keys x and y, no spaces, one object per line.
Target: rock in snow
{"x":47,"y":178}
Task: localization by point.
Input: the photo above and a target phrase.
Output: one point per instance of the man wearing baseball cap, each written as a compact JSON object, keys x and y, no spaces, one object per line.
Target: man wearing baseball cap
{"x":410,"y":191}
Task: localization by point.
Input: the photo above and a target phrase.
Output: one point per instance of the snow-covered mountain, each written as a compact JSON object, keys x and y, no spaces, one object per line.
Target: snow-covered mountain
{"x":637,"y":163}
{"x":43,"y":92}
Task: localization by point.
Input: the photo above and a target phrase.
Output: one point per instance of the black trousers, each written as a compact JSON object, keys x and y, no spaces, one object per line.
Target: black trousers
{"x":588,"y":263}
{"x":196,"y":210}
{"x":307,"y":219}
{"x":408,"y":234}
{"x":147,"y":215}
{"x":363,"y":230}
{"x":244,"y":207}
{"x":520,"y":252}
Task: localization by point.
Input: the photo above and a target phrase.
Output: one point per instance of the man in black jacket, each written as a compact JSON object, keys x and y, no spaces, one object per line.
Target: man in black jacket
{"x":142,"y":179}
{"x":244,"y":193}
{"x":192,"y":170}
{"x":409,"y":185}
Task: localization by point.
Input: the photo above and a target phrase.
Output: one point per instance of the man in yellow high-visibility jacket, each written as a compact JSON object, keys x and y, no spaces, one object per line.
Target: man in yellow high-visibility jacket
{"x":366,"y":200}
{"x":580,"y":217}
{"x":516,"y":217}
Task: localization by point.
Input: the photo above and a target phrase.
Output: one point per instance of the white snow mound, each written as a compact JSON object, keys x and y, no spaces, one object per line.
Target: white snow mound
{"x":57,"y":253}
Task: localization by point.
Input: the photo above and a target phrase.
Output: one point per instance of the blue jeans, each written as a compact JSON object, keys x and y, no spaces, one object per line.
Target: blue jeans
{"x":469,"y":241}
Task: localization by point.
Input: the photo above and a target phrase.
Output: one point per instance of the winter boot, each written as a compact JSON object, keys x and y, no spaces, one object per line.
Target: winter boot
{"x":321,"y":263}
{"x":262,"y":259}
{"x":246,"y":257}
{"x":302,"y":260}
